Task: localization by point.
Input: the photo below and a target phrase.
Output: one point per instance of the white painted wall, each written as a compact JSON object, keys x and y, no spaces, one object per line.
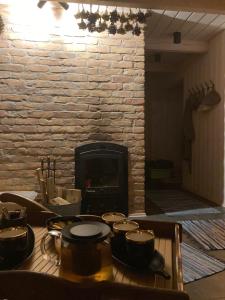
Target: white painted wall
{"x":207,"y":176}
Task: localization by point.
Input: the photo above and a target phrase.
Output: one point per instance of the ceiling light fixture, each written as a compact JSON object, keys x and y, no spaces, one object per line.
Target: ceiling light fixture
{"x":64,"y":5}
{"x":177,"y":37}
{"x":41,"y":3}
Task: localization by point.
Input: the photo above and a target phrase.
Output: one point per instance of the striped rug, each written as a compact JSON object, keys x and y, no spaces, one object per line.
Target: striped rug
{"x":175,"y":200}
{"x":197,"y":264}
{"x":210,"y":234}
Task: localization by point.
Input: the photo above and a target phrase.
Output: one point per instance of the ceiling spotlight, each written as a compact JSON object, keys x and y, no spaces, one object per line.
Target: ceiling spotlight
{"x":64,"y":5}
{"x":41,"y":3}
{"x":177,"y":37}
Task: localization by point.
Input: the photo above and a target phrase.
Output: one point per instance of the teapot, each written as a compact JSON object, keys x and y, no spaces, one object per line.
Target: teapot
{"x":83,"y":251}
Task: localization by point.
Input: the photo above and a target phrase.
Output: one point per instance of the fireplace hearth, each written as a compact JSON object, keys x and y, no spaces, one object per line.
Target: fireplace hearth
{"x":101,"y":172}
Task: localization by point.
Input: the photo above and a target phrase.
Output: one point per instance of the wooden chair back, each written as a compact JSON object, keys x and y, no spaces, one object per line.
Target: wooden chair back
{"x":36,"y":213}
{"x":23,"y":285}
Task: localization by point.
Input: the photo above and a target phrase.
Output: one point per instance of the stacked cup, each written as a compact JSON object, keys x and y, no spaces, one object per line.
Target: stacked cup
{"x":129,"y":241}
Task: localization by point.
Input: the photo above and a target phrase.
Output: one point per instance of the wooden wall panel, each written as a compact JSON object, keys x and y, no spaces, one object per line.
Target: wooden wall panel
{"x":206,"y":178}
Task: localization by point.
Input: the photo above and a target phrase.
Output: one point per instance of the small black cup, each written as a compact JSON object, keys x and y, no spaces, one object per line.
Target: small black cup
{"x":119,"y":230}
{"x":12,"y":215}
{"x":140,"y":247}
{"x":13,"y":220}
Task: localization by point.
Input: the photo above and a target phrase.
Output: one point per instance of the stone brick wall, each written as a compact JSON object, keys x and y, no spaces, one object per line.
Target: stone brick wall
{"x":58,"y":91}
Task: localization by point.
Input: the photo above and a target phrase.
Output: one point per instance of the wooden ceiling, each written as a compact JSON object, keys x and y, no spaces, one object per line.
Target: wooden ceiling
{"x":196,"y":31}
{"x":211,"y":6}
{"x":197,"y":28}
{"x":192,"y":25}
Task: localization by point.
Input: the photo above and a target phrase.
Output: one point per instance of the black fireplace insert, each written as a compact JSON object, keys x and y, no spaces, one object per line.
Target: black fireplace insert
{"x":101,"y":172}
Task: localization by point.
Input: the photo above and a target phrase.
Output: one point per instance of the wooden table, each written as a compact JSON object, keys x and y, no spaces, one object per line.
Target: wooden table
{"x":168,"y":237}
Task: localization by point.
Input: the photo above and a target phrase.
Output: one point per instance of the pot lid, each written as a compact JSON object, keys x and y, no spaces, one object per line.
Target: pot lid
{"x":86,"y":231}
{"x":112,"y":217}
{"x":125,"y":225}
{"x":140,"y":236}
{"x":11,"y":233}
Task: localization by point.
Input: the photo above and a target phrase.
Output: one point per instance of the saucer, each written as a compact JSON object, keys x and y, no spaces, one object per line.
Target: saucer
{"x":9,"y":264}
{"x":156,"y":265}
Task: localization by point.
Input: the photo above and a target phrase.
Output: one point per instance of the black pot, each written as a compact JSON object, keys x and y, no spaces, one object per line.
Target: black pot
{"x":13,"y":242}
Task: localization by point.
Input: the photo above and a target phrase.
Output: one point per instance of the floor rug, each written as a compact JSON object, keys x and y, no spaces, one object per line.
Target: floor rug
{"x":210,"y":234}
{"x":197,"y":264}
{"x":175,"y":200}
{"x":197,"y":211}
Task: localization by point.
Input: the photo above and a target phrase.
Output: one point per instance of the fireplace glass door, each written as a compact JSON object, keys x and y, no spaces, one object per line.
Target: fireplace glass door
{"x":101,"y":172}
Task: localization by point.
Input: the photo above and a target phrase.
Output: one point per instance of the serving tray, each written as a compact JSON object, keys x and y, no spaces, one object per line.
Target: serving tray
{"x":167,"y":243}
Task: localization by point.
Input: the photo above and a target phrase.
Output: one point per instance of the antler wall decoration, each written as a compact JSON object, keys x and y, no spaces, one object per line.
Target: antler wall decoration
{"x":204,"y":96}
{"x":113,"y":21}
{"x":201,"y":98}
{"x":202,"y":88}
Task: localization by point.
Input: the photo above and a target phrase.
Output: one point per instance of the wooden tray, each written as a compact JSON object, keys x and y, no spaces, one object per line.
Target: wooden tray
{"x":168,"y":238}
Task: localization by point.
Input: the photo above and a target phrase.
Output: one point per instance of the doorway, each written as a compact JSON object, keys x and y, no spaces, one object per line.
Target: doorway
{"x":166,"y":106}
{"x":173,"y":68}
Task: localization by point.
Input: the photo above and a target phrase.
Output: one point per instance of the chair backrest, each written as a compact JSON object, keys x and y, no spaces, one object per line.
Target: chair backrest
{"x":23,"y":285}
{"x":36,"y":213}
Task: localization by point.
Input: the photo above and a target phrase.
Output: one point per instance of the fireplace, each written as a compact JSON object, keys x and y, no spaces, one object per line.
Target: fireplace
{"x":101,"y":172}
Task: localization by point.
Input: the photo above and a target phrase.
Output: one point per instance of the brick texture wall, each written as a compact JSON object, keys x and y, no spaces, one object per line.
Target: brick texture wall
{"x":58,"y":91}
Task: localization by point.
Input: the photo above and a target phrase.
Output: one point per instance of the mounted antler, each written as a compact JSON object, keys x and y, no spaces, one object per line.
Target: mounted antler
{"x":212,"y":84}
{"x":207,"y":86}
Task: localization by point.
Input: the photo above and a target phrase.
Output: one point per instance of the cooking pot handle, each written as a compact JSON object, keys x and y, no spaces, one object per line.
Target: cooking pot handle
{"x":57,"y":236}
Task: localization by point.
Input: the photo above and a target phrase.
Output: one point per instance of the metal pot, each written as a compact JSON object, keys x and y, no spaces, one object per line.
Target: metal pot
{"x":13,"y":242}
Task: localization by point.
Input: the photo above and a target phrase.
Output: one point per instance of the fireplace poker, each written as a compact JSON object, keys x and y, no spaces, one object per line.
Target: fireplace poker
{"x":54,"y":168}
{"x":42,"y":166}
{"x":48,"y":165}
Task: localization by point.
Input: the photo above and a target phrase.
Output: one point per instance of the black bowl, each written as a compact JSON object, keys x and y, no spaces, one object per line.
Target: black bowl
{"x":17,"y":259}
{"x":59,"y":222}
{"x":156,"y":265}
